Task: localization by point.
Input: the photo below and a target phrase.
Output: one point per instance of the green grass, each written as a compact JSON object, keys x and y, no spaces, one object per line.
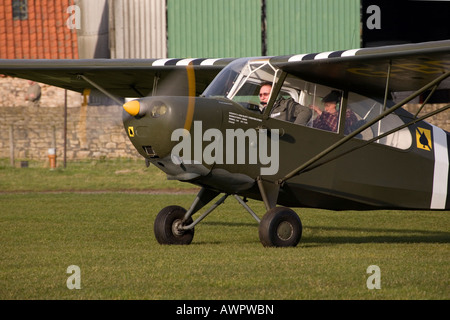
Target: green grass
{"x":110,"y":237}
{"x":112,"y":175}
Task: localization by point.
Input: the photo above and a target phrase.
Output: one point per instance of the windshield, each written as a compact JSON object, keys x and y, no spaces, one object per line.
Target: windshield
{"x":241,"y":80}
{"x":224,"y":81}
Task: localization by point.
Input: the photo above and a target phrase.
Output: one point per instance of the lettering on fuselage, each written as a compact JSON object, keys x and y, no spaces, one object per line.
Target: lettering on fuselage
{"x":236,"y":147}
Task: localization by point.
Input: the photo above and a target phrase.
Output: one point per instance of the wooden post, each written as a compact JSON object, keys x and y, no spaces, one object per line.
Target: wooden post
{"x":11,"y":145}
{"x":65,"y":129}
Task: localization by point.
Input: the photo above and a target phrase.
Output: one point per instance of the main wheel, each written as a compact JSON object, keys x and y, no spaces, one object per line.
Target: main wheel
{"x":280,"y":227}
{"x":167,"y":225}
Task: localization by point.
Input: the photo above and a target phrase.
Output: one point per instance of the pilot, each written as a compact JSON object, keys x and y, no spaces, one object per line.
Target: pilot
{"x":328,"y":119}
{"x":264,"y":94}
{"x":284,"y":109}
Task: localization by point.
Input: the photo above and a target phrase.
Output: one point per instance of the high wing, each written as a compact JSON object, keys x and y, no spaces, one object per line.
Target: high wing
{"x":410,"y":67}
{"x":122,"y":78}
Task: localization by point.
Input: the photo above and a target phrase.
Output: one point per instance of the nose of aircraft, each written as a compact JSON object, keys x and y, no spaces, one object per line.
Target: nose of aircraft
{"x":150,"y":122}
{"x":154,"y":123}
{"x":132,"y":107}
{"x":154,"y":107}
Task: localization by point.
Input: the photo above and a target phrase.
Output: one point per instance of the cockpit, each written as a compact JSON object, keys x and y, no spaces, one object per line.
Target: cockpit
{"x":242,"y":80}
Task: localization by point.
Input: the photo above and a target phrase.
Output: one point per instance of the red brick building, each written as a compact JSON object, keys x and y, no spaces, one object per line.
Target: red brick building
{"x":36,"y":29}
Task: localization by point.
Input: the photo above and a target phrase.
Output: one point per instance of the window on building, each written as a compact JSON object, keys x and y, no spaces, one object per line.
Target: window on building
{"x":20,"y":9}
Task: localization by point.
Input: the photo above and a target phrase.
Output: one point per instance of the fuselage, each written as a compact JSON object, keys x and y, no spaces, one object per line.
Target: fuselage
{"x":356,"y":175}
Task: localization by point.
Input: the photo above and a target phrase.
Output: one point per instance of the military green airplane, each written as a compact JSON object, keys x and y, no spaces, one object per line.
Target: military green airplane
{"x":322,"y":130}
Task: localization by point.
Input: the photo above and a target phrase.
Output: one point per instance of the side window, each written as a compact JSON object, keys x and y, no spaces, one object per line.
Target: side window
{"x":325,"y":103}
{"x":287,"y":105}
{"x":308,"y":104}
{"x":367,"y":109}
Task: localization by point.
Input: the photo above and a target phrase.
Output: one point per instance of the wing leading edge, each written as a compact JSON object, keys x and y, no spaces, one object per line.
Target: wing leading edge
{"x":123,"y":78}
{"x":410,"y":66}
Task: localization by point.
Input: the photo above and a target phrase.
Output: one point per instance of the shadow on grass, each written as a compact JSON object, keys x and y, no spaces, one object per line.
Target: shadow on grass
{"x":230,"y":224}
{"x":371,"y":235}
{"x":387,"y":236}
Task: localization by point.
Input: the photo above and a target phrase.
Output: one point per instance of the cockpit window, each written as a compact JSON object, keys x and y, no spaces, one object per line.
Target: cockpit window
{"x":241,"y":81}
{"x":367,"y":109}
{"x":254,"y":73}
{"x":225,"y":80}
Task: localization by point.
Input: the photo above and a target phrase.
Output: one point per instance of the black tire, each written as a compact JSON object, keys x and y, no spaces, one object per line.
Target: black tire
{"x":165,"y":226}
{"x":280,"y":227}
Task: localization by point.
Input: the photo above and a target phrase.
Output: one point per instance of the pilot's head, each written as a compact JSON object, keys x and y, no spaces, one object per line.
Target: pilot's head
{"x":264,"y":93}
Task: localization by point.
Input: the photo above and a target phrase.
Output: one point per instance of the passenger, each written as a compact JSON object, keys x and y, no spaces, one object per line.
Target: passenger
{"x":284,"y":109}
{"x":328,"y":119}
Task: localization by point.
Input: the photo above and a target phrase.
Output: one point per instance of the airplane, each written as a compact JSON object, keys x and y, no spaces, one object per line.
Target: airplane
{"x":200,"y":121}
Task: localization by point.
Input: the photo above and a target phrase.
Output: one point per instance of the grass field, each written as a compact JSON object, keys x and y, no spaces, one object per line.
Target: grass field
{"x":109,"y":236}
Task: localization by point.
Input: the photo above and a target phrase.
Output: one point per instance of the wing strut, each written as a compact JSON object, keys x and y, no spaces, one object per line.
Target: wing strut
{"x":426,"y":100}
{"x":380,"y":136}
{"x":364,"y":127}
{"x":99,"y":88}
{"x":386,"y":91}
{"x":269,"y":192}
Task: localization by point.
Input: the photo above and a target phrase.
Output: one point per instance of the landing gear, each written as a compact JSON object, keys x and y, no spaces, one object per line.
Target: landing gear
{"x":174,"y":225}
{"x":280,"y":227}
{"x":167,"y":226}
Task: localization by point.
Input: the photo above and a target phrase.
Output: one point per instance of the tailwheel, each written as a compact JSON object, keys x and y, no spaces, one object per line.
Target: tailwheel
{"x":168,"y":225}
{"x":280,"y":227}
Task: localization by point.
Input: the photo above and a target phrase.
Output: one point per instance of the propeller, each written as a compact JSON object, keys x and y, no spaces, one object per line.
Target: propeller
{"x":176,"y":83}
{"x":179,"y":82}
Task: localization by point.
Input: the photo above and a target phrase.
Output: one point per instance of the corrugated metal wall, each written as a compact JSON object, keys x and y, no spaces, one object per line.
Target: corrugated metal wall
{"x":219,"y":28}
{"x":231,"y":28}
{"x":306,"y":26}
{"x":137,"y":29}
{"x":93,"y":33}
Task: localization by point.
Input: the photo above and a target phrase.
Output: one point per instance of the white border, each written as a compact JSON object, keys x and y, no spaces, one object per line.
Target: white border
{"x":441,"y":164}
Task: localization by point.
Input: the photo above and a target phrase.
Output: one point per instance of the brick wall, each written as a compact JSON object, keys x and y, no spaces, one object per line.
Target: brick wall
{"x":441,"y":120}
{"x":13,"y":91}
{"x":92,"y":132}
